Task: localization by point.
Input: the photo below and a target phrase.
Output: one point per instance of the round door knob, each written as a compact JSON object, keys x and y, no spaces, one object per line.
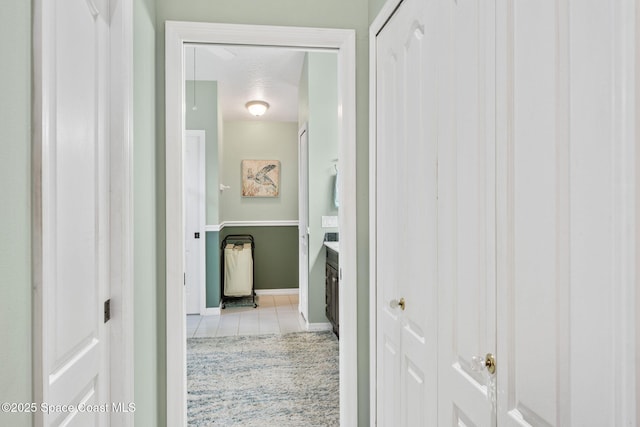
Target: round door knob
{"x":478,"y":363}
{"x":395,"y":303}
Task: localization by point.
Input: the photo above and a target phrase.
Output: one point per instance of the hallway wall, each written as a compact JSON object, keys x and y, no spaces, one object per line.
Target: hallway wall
{"x":318,"y":109}
{"x":148,"y":343}
{"x":15,"y":214}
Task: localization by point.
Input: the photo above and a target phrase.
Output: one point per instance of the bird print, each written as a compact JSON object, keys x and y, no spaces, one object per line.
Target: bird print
{"x":260,"y":183}
{"x":261,"y":177}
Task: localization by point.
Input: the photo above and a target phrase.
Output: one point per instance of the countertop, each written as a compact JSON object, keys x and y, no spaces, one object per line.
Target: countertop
{"x":334,"y":246}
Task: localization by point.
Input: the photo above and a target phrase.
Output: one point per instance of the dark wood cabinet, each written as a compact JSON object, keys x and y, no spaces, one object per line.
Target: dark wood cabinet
{"x":332,"y":282}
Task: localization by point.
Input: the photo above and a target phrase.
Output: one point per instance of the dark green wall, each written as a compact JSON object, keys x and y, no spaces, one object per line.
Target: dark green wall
{"x":213,"y":268}
{"x":275,"y":256}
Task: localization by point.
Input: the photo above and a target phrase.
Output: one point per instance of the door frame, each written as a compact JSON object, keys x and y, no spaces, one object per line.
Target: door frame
{"x":202,"y":214}
{"x":121,"y":355}
{"x":341,"y":41}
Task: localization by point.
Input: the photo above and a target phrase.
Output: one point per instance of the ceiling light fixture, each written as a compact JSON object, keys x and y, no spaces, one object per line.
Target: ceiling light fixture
{"x":257,"y":108}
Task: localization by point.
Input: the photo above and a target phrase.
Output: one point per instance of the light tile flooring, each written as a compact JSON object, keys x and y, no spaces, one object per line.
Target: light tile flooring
{"x":276,"y":314}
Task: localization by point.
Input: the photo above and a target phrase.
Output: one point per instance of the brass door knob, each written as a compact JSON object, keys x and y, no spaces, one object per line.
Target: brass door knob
{"x":395,"y":303}
{"x":488,"y":362}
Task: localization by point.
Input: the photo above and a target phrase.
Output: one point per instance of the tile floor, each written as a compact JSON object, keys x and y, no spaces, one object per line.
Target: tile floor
{"x":276,"y":314}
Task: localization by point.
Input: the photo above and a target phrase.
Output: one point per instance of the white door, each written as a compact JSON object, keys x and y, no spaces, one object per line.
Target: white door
{"x":194,"y":219}
{"x":75,"y":270}
{"x":565,"y":239}
{"x":303,"y":221}
{"x":406,"y":226}
{"x":466,"y":197}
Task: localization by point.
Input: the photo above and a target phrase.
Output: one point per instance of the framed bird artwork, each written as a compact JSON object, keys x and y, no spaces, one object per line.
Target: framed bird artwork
{"x":260,"y":178}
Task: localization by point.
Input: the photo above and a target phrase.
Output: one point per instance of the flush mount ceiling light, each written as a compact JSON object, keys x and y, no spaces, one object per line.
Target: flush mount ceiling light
{"x":257,"y":108}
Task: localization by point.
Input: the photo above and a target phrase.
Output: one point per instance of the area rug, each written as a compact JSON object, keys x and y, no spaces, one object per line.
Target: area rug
{"x":264,"y":380}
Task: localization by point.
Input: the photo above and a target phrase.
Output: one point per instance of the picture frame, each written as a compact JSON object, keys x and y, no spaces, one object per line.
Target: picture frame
{"x":260,"y":178}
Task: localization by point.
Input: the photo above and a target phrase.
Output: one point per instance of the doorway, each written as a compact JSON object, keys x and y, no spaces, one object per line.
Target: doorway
{"x":341,"y":41}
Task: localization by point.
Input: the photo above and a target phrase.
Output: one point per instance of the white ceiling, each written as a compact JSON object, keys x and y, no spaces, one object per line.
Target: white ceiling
{"x":246,"y":73}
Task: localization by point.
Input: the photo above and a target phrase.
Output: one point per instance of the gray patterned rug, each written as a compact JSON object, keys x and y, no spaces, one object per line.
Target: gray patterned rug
{"x":264,"y":380}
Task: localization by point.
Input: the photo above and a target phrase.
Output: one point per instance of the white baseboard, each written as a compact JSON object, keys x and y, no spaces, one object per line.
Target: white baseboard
{"x":324,"y":326}
{"x":210,"y":311}
{"x":285,"y":291}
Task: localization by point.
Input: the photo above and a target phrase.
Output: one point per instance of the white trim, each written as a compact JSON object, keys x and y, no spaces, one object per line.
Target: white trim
{"x":122,"y":217}
{"x":624,"y":138}
{"x":210,"y":311}
{"x":283,"y":291}
{"x":273,"y":223}
{"x":321,"y":326}
{"x":342,"y":40}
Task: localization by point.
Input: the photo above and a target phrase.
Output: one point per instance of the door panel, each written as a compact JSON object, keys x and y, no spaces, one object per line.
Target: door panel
{"x":535,"y":214}
{"x":559,"y":287}
{"x":535,"y":263}
{"x":75,"y":192}
{"x":407,"y":217}
{"x":194,"y":203}
{"x":466,"y":179}
{"x":303,"y":221}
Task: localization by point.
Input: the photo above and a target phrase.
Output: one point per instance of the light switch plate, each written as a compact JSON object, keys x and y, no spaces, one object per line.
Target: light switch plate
{"x":329,"y":221}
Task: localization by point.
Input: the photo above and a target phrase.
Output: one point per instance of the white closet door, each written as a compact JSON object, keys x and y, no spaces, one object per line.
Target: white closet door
{"x":74,"y":364}
{"x":407,"y":218}
{"x":303,"y":222}
{"x":565,"y":319}
{"x":466,"y":197}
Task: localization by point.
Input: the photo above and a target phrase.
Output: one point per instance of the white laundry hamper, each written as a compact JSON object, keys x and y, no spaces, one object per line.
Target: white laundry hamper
{"x":237,"y":270}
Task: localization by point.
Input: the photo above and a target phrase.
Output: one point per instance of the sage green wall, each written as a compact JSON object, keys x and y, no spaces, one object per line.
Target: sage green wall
{"x":205,"y":117}
{"x":148,"y":324}
{"x":374,"y":8}
{"x":308,"y":13}
{"x":318,"y":107}
{"x":259,"y":140}
{"x":275,"y":255}
{"x":15,"y":214}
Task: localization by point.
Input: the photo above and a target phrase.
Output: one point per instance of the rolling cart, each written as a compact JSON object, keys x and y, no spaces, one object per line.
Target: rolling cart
{"x":237,"y":269}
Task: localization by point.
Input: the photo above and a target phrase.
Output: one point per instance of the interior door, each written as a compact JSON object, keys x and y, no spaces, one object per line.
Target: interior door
{"x":194,"y":205}
{"x":303,"y":221}
{"x":466,"y":233}
{"x":75,"y":276}
{"x":563,"y":292}
{"x":406,"y":211}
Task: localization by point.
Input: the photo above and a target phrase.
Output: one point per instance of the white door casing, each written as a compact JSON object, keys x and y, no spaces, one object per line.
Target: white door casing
{"x":406,"y":209}
{"x":340,"y":40}
{"x":194,"y":205}
{"x":82,"y":214}
{"x":303,"y":222}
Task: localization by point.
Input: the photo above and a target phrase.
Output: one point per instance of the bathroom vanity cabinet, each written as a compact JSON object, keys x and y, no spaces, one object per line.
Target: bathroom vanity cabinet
{"x":331,"y":289}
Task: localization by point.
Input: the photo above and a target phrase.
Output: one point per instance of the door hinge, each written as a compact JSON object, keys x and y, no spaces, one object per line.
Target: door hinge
{"x":107,"y":310}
